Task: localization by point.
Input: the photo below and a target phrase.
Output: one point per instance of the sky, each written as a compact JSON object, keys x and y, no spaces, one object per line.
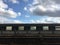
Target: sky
{"x":29,"y":11}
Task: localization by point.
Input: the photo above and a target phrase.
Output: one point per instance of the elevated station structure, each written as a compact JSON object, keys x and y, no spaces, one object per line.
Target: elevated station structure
{"x":37,"y":34}
{"x":29,"y":30}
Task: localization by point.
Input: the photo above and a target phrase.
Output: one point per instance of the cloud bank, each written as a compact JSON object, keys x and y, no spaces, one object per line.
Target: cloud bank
{"x":45,"y":8}
{"x":46,"y":20}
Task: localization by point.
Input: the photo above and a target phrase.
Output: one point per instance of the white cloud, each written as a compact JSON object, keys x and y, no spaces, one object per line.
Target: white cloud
{"x":25,"y":8}
{"x":12,"y":13}
{"x":3,"y":5}
{"x":46,"y":20}
{"x":14,"y":1}
{"x":27,"y":16}
{"x":32,"y":21}
{"x":35,"y":2}
{"x":45,"y":7}
{"x":19,"y":13}
{"x":6,"y":13}
{"x":17,"y":21}
{"x":4,"y":20}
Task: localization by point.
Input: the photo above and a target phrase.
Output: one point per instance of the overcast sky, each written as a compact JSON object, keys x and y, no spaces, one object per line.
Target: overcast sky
{"x":29,"y":11}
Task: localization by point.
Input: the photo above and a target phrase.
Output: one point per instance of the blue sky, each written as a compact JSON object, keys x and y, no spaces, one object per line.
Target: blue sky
{"x":30,"y":11}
